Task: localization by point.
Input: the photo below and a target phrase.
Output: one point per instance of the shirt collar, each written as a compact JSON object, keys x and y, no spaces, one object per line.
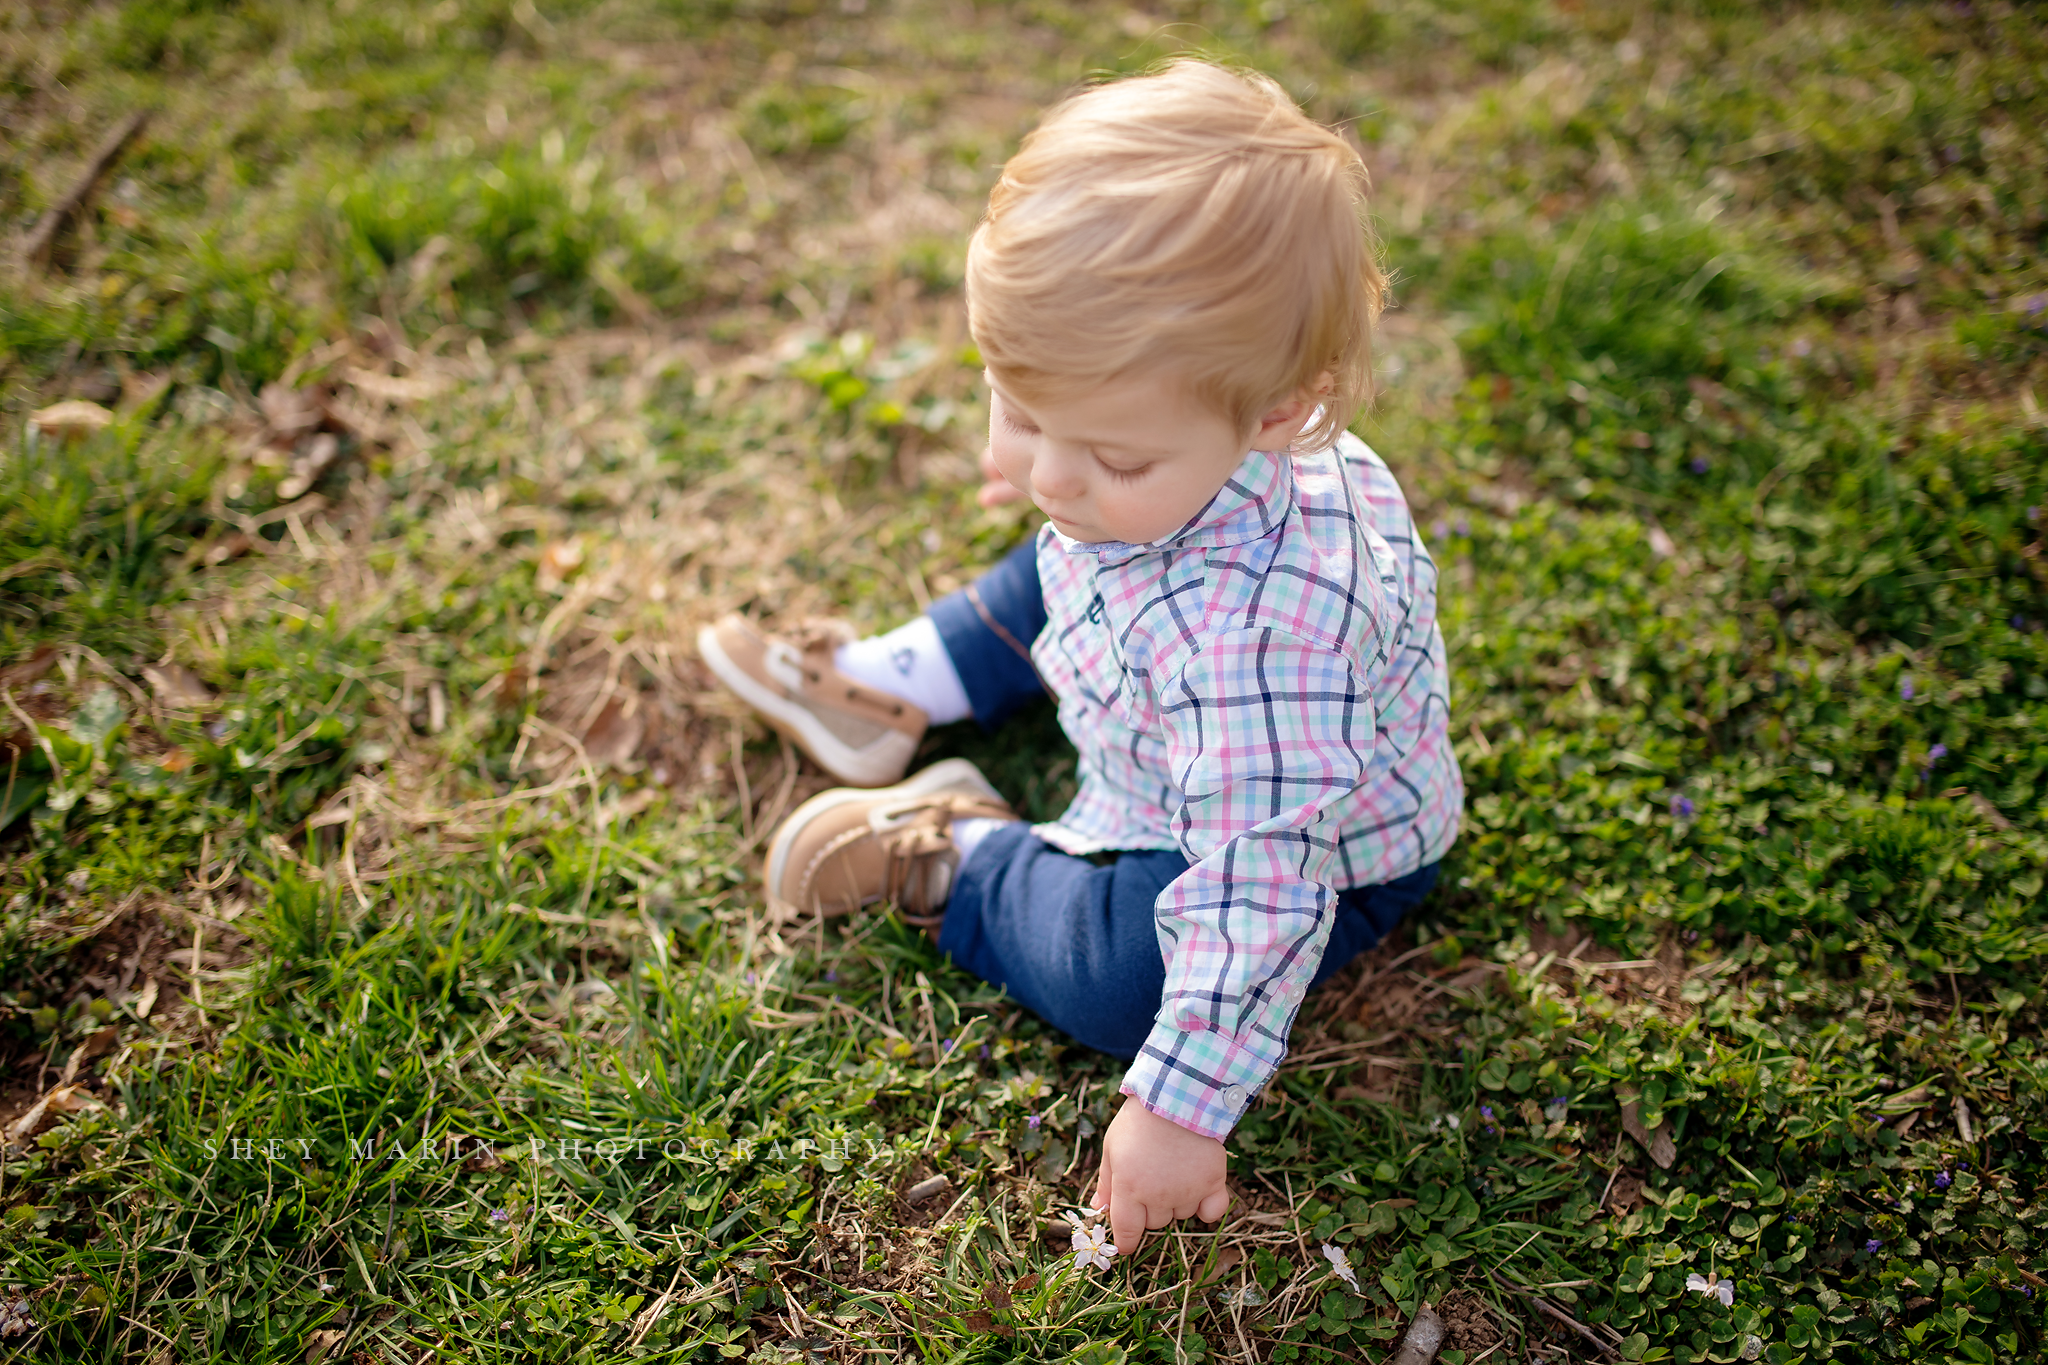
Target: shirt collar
{"x":1253,"y":500}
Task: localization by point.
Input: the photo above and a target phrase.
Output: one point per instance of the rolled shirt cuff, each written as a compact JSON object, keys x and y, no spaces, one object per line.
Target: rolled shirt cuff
{"x":1203,"y":1080}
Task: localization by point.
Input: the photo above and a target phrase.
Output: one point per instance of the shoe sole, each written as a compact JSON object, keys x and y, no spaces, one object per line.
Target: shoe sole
{"x":877,"y":766}
{"x":953,"y":774}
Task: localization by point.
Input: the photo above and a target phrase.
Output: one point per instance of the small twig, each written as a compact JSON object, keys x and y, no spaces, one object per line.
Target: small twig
{"x":1556,"y":1314}
{"x":1351,"y":997}
{"x":739,"y":770}
{"x":771,"y":817}
{"x":654,"y":1310}
{"x":36,"y":247}
{"x":151,"y":1330}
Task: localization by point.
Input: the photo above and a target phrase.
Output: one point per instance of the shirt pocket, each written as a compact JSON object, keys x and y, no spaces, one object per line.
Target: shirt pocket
{"x":1090,"y":653}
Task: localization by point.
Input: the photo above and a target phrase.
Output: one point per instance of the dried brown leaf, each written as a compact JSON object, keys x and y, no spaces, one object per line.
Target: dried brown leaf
{"x":559,"y":561}
{"x":290,"y":413}
{"x":1661,"y":1146}
{"x":614,"y":737}
{"x":28,"y":670}
{"x":178,"y":687}
{"x":319,"y":1344}
{"x":506,"y":690}
{"x":72,"y":420}
{"x":308,"y":465}
{"x":65,"y":1099}
{"x":386,"y":388}
{"x":97,"y":1045}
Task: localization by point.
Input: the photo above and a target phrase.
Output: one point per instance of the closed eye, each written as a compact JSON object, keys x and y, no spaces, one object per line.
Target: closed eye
{"x":1127,"y":475}
{"x":1014,"y":425}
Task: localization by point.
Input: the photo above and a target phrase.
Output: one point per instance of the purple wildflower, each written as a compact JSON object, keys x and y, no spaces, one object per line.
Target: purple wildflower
{"x":1440,"y":528}
{"x":1032,"y":1120}
{"x":984,"y":1052}
{"x":1906,"y":689}
{"x":1936,"y":753}
{"x":1699,"y":464}
{"x":500,"y":1216}
{"x":949,"y":1045}
{"x":1464,"y":526}
{"x":1486,"y":1111}
{"x":1802,"y":347}
{"x":831,"y":976}
{"x":750,"y":978}
{"x":1681,"y":807}
{"x":1873,"y":1246}
{"x":1943,"y":1180}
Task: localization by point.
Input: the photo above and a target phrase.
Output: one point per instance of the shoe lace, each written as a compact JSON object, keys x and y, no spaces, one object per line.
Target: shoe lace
{"x":813,"y":636}
{"x":912,"y":852}
{"x":916,"y":849}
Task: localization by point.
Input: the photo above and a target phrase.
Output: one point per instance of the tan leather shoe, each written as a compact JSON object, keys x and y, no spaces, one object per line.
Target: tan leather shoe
{"x":857,"y":734}
{"x":846,"y":848}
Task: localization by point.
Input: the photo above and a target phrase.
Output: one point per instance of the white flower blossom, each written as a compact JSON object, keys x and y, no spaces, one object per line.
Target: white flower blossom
{"x":1340,"y":1265}
{"x":1714,"y":1287}
{"x":1092,"y":1247}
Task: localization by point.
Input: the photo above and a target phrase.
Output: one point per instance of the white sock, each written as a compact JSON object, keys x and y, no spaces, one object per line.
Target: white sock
{"x":968,"y":834}
{"x":909,"y":662}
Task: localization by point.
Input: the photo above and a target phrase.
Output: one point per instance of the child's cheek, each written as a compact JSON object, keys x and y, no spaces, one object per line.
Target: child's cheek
{"x":1012,"y":456}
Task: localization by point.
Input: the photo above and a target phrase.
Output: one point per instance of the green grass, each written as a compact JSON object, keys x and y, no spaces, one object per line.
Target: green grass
{"x":1716,"y":384}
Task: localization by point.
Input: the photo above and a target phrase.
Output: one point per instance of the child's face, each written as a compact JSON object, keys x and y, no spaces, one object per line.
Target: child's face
{"x":1131,"y":459}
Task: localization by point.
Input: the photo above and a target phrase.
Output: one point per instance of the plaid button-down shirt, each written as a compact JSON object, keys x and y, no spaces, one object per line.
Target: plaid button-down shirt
{"x":1266,"y":691}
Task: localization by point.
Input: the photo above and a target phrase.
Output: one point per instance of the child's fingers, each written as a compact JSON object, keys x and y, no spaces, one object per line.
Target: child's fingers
{"x":1105,"y":1202}
{"x":1214,"y":1206}
{"x":1125,"y":1211}
{"x":1127,"y":1218}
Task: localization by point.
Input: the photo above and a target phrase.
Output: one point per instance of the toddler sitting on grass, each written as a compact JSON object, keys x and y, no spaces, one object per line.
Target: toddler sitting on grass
{"x":1174,"y":292}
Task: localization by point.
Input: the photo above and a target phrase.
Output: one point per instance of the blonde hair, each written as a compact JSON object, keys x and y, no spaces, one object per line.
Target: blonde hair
{"x":1192,"y":220}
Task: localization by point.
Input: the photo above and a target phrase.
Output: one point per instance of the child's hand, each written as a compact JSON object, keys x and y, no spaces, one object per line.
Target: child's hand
{"x":1154,"y":1171}
{"x":995,"y":489}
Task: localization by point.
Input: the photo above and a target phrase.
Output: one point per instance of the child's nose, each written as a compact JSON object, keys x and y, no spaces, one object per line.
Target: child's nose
{"x":1057,"y":473}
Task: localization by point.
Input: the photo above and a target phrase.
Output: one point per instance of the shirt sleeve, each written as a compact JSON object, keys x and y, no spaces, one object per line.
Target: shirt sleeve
{"x":1266,"y":732}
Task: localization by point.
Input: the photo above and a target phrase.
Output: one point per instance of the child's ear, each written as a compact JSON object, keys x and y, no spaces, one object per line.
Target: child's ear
{"x":1279,"y":426}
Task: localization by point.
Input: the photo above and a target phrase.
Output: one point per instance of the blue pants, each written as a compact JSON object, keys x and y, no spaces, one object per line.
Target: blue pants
{"x":1071,"y":939}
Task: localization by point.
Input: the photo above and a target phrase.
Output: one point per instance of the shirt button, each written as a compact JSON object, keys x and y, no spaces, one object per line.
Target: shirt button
{"x":1233,"y":1095}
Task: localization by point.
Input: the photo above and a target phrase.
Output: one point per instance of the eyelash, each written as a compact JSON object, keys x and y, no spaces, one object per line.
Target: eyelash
{"x":1120,"y":475}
